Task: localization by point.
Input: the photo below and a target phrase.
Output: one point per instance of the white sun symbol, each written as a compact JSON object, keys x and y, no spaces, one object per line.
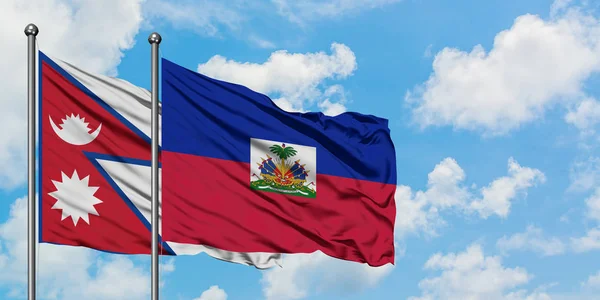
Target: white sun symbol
{"x":75,"y":197}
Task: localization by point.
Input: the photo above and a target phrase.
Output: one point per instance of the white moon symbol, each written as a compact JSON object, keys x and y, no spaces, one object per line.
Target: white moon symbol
{"x":76,"y":134}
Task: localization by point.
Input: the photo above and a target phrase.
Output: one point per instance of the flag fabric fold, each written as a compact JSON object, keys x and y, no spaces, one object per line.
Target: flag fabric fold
{"x":243,"y":175}
{"x":94,"y":166}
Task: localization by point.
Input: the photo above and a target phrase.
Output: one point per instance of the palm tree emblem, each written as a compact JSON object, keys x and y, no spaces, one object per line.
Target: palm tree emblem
{"x":281,"y":173}
{"x":282,"y":151}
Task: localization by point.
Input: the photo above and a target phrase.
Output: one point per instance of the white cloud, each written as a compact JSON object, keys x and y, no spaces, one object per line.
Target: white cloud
{"x":303,"y":274}
{"x":524,"y":295}
{"x":219,"y":18}
{"x":532,"y":66}
{"x":585,"y":175}
{"x":420,"y":211}
{"x":414,"y":213}
{"x":202,"y":16}
{"x":118,"y":278}
{"x":213,"y":293}
{"x":444,"y":190}
{"x":534,"y":240}
{"x":593,"y":282}
{"x":335,"y":99}
{"x":213,"y":17}
{"x":559,"y":6}
{"x":294,"y":80}
{"x":585,"y":116}
{"x":286,"y":105}
{"x":301,"y":11}
{"x":472,"y":275}
{"x":260,"y":42}
{"x":593,"y":206}
{"x":589,"y":242}
{"x":428,"y":51}
{"x":496,"y":197}
{"x":331,"y":109}
{"x":72,"y":30}
{"x":168,"y":266}
{"x":66,"y":272}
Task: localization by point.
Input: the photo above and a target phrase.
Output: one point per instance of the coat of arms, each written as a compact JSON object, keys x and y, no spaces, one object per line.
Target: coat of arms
{"x":283,"y":168}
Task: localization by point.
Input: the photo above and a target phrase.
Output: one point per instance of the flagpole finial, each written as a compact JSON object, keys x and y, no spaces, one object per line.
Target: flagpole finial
{"x":154,"y":38}
{"x":31,"y":29}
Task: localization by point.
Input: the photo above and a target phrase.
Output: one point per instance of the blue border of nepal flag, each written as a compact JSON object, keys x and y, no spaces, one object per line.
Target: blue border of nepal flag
{"x":94,"y":166}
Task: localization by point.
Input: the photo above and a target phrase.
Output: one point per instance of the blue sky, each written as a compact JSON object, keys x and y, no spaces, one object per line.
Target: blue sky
{"x":492,"y":108}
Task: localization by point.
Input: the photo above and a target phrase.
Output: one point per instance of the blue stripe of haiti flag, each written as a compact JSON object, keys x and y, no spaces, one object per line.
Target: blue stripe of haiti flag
{"x":206,"y":117}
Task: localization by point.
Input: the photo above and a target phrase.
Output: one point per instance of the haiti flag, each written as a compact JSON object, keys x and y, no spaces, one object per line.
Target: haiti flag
{"x":240,"y":174}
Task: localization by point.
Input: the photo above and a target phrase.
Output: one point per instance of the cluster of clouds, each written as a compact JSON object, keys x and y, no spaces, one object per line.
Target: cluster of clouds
{"x":585,"y":178}
{"x":216,"y":19}
{"x":469,"y":274}
{"x":295,"y":78}
{"x":301,"y":12}
{"x":213,"y":293}
{"x":534,"y":66}
{"x":420,"y":211}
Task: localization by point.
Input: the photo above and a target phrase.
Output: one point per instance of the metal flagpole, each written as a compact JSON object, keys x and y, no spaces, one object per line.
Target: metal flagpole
{"x":154,"y":39}
{"x":31,"y":32}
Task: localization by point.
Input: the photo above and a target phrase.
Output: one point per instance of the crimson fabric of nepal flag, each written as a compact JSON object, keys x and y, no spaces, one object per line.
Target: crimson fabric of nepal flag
{"x":95,"y":163}
{"x":241,"y":174}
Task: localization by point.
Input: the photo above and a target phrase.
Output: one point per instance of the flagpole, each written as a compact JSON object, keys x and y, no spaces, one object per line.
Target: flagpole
{"x":154,"y":39}
{"x":31,"y":32}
